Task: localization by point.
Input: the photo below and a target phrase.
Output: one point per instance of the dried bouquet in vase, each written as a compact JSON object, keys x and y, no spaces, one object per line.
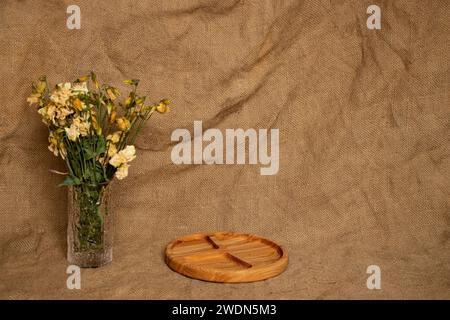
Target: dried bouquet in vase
{"x":94,"y":134}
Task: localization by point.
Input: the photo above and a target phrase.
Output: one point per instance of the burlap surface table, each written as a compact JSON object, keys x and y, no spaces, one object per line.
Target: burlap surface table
{"x":364,"y":143}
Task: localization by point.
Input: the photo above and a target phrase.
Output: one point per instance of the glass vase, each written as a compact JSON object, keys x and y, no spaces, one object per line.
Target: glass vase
{"x":90,"y":226}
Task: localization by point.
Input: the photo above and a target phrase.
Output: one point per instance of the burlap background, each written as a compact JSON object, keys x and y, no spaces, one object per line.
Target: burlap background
{"x":364,"y":133}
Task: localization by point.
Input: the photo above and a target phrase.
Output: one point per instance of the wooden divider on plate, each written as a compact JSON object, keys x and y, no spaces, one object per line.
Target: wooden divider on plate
{"x":226,"y":257}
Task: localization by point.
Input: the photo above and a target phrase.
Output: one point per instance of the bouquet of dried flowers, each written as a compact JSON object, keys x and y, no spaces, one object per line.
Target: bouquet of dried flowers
{"x":94,"y":134}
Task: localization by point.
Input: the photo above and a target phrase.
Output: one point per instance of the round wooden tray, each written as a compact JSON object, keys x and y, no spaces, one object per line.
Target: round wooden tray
{"x":226,"y":257}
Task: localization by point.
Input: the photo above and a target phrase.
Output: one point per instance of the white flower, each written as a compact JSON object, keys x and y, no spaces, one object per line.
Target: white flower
{"x":62,"y":93}
{"x":51,"y":112}
{"x":65,"y":85}
{"x":79,"y":126}
{"x":129,"y":152}
{"x":62,"y":113}
{"x":72,"y":132}
{"x":117,"y":160}
{"x":82,"y":125}
{"x":122,"y":171}
{"x":80,"y":87}
{"x":123,"y":156}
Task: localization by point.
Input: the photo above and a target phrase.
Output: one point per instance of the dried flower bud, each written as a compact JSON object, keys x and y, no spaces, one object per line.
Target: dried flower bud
{"x":112,"y":118}
{"x":82,"y":79}
{"x":42,"y":84}
{"x":132,"y":82}
{"x":140,"y":100}
{"x":112,"y":93}
{"x":94,"y":80}
{"x":94,"y":122}
{"x":110,"y":108}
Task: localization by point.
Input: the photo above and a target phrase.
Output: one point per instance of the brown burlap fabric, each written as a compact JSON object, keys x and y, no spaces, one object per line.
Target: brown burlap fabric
{"x":364,"y":143}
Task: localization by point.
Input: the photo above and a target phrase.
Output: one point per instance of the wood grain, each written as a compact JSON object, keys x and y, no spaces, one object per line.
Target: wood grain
{"x":226,"y":257}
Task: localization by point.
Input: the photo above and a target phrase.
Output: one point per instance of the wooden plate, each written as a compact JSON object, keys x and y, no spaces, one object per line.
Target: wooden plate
{"x":226,"y":257}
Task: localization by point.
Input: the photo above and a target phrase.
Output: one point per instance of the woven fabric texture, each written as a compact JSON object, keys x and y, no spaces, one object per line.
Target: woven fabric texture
{"x":363,"y":117}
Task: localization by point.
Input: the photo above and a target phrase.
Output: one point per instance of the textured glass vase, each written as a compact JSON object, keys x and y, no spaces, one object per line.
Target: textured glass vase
{"x":90,"y":226}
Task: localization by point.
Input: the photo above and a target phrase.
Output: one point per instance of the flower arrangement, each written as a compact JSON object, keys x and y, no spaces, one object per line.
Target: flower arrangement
{"x":94,"y":134}
{"x":85,"y":129}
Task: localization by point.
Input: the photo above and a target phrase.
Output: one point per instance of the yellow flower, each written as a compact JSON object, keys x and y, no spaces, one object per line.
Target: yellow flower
{"x":123,"y":124}
{"x":112,"y":150}
{"x":34,"y":98}
{"x":42,"y":84}
{"x":52,"y":139}
{"x":115,"y":137}
{"x":117,"y":160}
{"x":162,"y":108}
{"x":122,"y":171}
{"x":77,"y":104}
{"x":43,"y":112}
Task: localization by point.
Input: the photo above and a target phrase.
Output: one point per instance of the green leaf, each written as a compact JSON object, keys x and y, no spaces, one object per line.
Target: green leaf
{"x":89,"y":154}
{"x":99,"y":176}
{"x":70,"y":181}
{"x":101,"y":145}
